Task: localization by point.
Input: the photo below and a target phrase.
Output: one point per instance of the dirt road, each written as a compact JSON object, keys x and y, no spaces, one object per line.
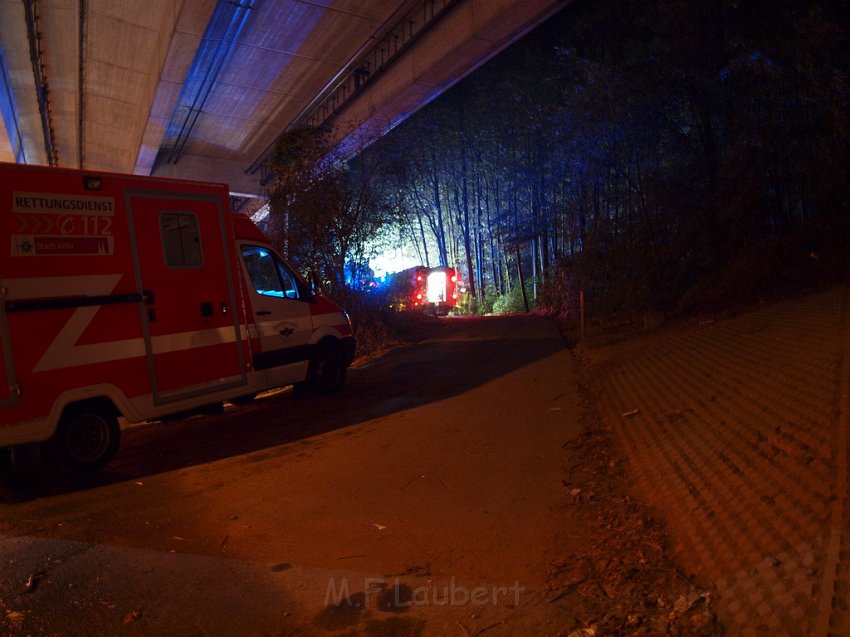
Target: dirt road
{"x":428,"y":494}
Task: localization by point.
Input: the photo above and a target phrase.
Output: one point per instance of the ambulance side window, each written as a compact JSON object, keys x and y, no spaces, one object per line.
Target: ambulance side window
{"x":181,"y":239}
{"x":269,"y":275}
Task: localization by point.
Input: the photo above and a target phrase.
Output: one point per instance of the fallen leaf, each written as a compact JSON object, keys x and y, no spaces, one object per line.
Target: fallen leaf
{"x":15,"y":619}
{"x":132,"y":617}
{"x":32,"y":582}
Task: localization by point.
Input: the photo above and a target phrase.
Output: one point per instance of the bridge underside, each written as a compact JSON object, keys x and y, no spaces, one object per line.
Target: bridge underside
{"x":200,"y":89}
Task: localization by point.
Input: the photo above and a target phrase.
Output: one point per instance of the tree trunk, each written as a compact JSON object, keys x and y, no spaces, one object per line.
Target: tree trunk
{"x":521,"y":279}
{"x":424,"y":242}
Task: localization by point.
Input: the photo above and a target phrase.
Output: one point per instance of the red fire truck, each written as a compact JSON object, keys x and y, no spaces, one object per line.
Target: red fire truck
{"x":137,"y":297}
{"x":433,"y":290}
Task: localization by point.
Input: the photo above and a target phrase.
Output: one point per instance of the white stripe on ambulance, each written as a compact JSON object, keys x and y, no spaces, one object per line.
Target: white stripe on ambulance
{"x":64,"y":352}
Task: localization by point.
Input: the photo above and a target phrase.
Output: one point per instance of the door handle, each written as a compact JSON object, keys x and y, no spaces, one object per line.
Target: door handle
{"x":263,"y":312}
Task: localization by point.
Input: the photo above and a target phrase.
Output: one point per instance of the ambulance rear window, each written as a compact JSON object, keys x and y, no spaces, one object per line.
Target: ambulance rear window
{"x":181,"y":240}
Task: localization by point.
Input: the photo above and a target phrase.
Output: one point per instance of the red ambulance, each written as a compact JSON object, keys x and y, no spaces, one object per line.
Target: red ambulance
{"x":139,"y":297}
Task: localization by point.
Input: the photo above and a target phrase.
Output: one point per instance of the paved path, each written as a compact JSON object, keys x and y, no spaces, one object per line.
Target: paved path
{"x":736,"y":431}
{"x":424,"y":500}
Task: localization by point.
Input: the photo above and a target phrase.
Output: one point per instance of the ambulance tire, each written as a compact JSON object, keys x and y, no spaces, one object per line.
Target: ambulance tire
{"x":86,"y":439}
{"x":326,"y":373}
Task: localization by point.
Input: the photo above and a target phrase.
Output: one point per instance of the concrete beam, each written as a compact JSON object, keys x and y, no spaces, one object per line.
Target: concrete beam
{"x":13,"y":39}
{"x":175,"y":54}
{"x":125,"y":49}
{"x":232,"y":173}
{"x":467,"y":38}
{"x":59,"y":27}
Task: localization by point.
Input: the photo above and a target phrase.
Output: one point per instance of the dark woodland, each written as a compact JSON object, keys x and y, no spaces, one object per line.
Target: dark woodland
{"x":666,"y":156}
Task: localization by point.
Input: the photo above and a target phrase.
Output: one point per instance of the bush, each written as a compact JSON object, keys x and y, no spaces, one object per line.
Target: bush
{"x":486,"y":306}
{"x":774,"y":268}
{"x":559,"y":295}
{"x":512,"y":302}
{"x":377,"y":328}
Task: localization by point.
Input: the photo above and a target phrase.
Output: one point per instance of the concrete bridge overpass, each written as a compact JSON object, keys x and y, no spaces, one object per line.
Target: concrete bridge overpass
{"x":201,"y":89}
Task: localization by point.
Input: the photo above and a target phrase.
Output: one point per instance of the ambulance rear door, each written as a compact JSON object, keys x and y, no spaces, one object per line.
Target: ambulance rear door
{"x":183,"y":257}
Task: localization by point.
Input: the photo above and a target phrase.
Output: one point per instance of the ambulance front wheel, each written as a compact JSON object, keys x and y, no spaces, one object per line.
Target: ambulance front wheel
{"x":326,"y":373}
{"x":86,"y":439}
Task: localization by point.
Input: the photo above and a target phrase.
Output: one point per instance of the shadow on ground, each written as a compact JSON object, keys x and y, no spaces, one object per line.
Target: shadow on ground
{"x":461,"y":355}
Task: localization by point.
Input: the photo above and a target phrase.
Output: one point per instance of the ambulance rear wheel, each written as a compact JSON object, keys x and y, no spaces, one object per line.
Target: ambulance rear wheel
{"x":326,"y":373}
{"x":86,"y":439}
